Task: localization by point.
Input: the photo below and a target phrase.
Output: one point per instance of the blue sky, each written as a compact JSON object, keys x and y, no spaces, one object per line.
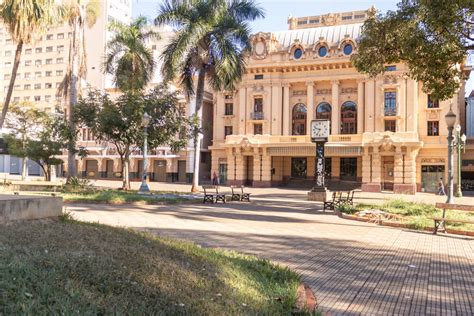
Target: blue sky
{"x":277,"y":12}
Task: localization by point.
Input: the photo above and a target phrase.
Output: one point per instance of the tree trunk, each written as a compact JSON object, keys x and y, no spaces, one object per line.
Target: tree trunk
{"x":16,"y":64}
{"x":71,"y":147}
{"x":47,"y":174}
{"x":197,"y":138}
{"x":125,"y":174}
{"x":24,"y":168}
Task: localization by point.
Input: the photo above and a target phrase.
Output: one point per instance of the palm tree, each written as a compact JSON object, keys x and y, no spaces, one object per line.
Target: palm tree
{"x":210,"y":37}
{"x":25,"y":20}
{"x":78,"y":14}
{"x":128,"y":60}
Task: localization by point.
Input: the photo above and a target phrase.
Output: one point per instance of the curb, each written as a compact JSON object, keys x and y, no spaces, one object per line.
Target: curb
{"x":400,"y":225}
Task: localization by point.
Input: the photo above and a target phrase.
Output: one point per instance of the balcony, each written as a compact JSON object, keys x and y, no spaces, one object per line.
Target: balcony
{"x":256,"y":116}
{"x":390,"y":112}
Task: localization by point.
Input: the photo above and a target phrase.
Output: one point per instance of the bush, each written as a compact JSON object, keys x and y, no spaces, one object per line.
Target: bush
{"x":346,"y":208}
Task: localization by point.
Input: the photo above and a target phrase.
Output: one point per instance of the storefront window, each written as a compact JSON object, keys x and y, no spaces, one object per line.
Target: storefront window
{"x":348,"y":169}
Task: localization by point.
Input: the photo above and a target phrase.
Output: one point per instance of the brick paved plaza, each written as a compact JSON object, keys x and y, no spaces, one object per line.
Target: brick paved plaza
{"x":353,"y":268}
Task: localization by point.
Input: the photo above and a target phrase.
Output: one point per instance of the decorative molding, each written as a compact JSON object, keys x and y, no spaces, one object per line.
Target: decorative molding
{"x":348,"y":90}
{"x":323,"y":91}
{"x":299,"y":92}
{"x":433,"y":160}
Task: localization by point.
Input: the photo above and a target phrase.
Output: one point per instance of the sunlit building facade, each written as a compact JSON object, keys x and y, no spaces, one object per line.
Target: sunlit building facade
{"x":386,"y":133}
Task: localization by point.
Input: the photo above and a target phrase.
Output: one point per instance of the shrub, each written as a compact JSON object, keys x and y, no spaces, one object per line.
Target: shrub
{"x":346,"y":208}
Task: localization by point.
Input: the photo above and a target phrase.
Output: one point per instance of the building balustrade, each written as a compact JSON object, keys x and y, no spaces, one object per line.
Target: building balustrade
{"x":256,"y":115}
{"x":390,"y":112}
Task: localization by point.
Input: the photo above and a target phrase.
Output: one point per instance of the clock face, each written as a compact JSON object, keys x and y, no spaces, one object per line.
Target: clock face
{"x":319,"y":129}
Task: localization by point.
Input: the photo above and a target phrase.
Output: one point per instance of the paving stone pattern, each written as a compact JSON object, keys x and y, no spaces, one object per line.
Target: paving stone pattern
{"x":354,"y":268}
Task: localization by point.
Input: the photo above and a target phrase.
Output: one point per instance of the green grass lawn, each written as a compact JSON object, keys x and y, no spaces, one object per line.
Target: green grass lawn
{"x":417,"y":215}
{"x":121,"y":197}
{"x":68,"y":267}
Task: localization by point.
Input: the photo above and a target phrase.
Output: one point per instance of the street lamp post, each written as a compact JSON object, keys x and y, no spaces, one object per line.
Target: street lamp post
{"x":144,"y":189}
{"x":450,"y":121}
{"x":460,"y":141}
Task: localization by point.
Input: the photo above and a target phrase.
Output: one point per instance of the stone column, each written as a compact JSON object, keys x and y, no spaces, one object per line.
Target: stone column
{"x":335,"y":168}
{"x":378,"y":117}
{"x":310,"y":114}
{"x":266,"y":180}
{"x":369,"y":111}
{"x":366,"y":167}
{"x":230,"y":165}
{"x":219,"y":110}
{"x":101,"y":168}
{"x":376,"y":165}
{"x":242,"y":110}
{"x":360,"y":106}
{"x":410,"y":171}
{"x":240,"y":165}
{"x":398,"y":176}
{"x":401,"y":106}
{"x":412,"y":106}
{"x":267,"y":110}
{"x":336,"y":113}
{"x":257,"y":167}
{"x":276,"y":110}
{"x":286,"y":115}
{"x":80,"y":168}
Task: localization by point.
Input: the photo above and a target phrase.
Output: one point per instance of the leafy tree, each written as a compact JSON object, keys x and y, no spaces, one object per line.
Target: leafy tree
{"x":208,"y":43}
{"x":432,"y":37}
{"x":119,"y":122}
{"x":79,"y":14}
{"x":25,"y":21}
{"x":128,"y":59}
{"x":25,"y":123}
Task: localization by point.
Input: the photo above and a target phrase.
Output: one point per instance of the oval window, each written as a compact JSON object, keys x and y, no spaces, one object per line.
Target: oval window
{"x":322,"y":51}
{"x":348,"y":49}
{"x":298,"y":53}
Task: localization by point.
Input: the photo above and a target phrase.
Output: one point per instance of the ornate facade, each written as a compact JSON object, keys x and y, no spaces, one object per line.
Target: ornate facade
{"x":386,"y":133}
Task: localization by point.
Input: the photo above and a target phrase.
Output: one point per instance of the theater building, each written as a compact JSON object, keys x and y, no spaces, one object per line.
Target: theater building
{"x":386,"y":133}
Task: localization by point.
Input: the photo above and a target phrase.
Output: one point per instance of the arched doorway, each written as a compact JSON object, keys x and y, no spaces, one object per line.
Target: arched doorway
{"x":349,"y":118}
{"x":299,"y":119}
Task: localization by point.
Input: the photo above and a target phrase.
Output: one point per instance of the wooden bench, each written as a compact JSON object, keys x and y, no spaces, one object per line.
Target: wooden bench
{"x":242,"y":196}
{"x":210,"y":196}
{"x":440,"y":222}
{"x":338,"y":198}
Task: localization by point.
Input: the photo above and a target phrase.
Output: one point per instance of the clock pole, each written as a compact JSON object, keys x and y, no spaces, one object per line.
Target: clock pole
{"x":319,"y":136}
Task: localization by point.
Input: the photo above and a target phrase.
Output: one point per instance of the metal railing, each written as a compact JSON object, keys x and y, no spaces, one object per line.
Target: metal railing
{"x":256,"y":115}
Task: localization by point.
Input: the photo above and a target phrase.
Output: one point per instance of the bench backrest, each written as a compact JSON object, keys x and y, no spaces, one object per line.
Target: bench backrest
{"x":456,"y":207}
{"x":208,"y":187}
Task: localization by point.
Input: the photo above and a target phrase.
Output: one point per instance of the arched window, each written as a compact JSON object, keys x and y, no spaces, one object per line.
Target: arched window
{"x":299,"y":119}
{"x":323,"y":111}
{"x":349,"y":118}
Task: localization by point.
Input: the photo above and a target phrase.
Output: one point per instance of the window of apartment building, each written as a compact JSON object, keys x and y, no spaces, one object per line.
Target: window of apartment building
{"x":229,"y":109}
{"x":27,"y":87}
{"x":49,"y":49}
{"x":49,"y":37}
{"x":257,"y":129}
{"x":37,"y":86}
{"x":47,"y":98}
{"x":16,"y":99}
{"x":49,"y":61}
{"x":38,"y":74}
{"x":38,"y":50}
{"x":37,"y":98}
{"x":59,"y":72}
{"x":27,"y":75}
{"x":390,"y":126}
{"x":18,"y":76}
{"x":27,"y":62}
{"x":432,"y":102}
{"x":433,"y":128}
{"x":16,"y":87}
{"x":258,"y":77}
{"x":48,"y":85}
{"x":227,"y":130}
{"x":48,"y":73}
{"x":390,"y":103}
{"x":27,"y":98}
{"x":28,"y":51}
{"x":60,"y":48}
{"x":38,"y":62}
{"x":6,"y":76}
{"x":60,"y":36}
{"x":59,"y":60}
{"x":8,"y":64}
{"x":8,"y":41}
{"x":8,"y":53}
